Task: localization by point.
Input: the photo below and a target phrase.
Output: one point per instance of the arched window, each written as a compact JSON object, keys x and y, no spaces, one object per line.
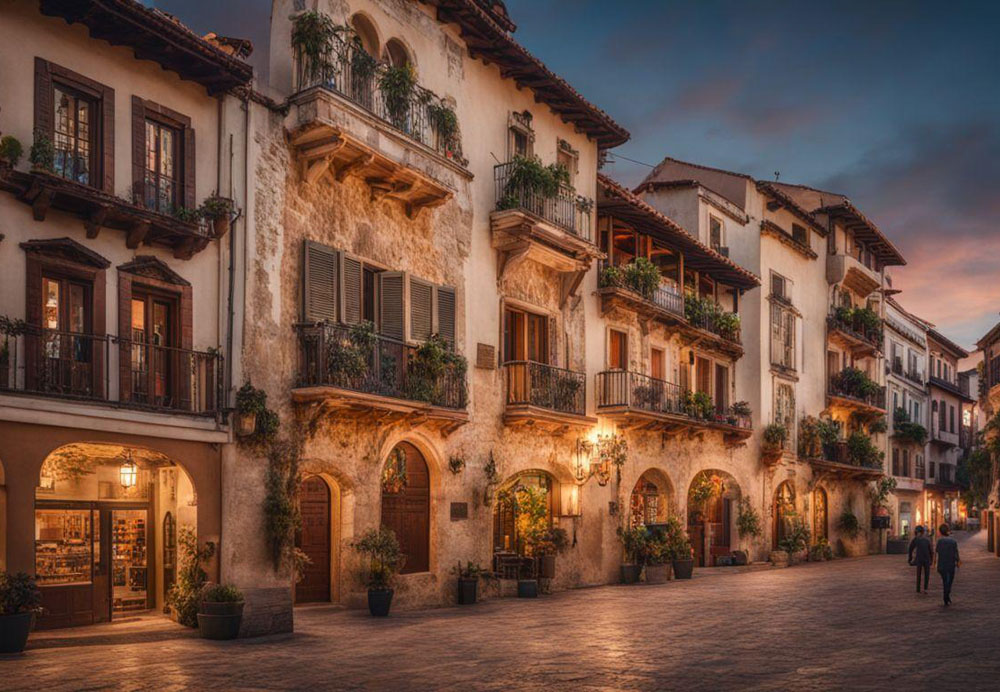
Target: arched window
{"x":784,"y":511}
{"x":366,"y":33}
{"x":396,"y":53}
{"x":507,"y":527}
{"x":650,"y":503}
{"x":820,"y":515}
{"x":406,"y":505}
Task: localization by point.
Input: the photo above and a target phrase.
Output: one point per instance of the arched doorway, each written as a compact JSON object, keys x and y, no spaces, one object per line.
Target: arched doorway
{"x":650,"y":499}
{"x":107,"y":518}
{"x":712,"y":500}
{"x":524,"y":502}
{"x":314,"y":539}
{"x":783,"y":512}
{"x":406,"y":505}
{"x":821,"y":518}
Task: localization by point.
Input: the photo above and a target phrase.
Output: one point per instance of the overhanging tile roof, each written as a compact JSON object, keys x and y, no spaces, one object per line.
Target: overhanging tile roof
{"x":618,"y":201}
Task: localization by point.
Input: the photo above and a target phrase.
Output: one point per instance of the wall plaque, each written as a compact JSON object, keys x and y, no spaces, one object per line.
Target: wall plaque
{"x":459,"y":510}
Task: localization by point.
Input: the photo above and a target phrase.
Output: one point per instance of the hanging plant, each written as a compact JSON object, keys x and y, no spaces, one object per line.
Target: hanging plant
{"x":456,"y":463}
{"x":42,"y":154}
{"x":313,"y":34}
{"x":397,"y":85}
{"x":256,"y":424}
{"x":394,"y":474}
{"x":445,"y":121}
{"x":281,"y":507}
{"x":748,"y":521}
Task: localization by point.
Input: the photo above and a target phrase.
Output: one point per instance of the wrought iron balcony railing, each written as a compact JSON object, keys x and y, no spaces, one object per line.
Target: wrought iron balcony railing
{"x":537,"y":384}
{"x":110,"y":369}
{"x":352,"y":73}
{"x":621,"y":388}
{"x":565,"y":209}
{"x":846,"y":388}
{"x":663,"y":296}
{"x":855,"y":326}
{"x":339,"y":356}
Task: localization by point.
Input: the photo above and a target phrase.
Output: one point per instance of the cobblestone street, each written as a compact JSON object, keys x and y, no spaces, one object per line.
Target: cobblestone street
{"x":847,"y":624}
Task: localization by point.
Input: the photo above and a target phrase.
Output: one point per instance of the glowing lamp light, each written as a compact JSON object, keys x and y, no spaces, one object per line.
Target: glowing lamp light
{"x":128,"y":474}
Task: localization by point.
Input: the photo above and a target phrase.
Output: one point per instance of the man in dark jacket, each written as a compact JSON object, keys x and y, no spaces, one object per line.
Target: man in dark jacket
{"x":947,"y":560}
{"x":921,"y":556}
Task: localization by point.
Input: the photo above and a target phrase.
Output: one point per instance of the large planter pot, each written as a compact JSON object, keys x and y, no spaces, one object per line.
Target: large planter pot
{"x":683,"y":569}
{"x":468,"y":591}
{"x":14,"y":631}
{"x":897,"y":546}
{"x":379,"y":601}
{"x":246,"y":424}
{"x":657,"y":574}
{"x":547,"y":566}
{"x":220,"y":226}
{"x":778,"y":558}
{"x":220,"y":620}
{"x":630,"y":573}
{"x":527,"y":588}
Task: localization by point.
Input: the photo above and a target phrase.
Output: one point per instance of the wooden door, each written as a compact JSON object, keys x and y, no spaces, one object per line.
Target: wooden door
{"x":407,"y":512}
{"x":313,"y":539}
{"x":720,"y":523}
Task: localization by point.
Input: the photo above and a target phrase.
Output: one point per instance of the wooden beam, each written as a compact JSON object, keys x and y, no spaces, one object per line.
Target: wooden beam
{"x":313,"y":170}
{"x":354,"y":164}
{"x":40,"y":205}
{"x":136,"y":234}
{"x":96,"y":219}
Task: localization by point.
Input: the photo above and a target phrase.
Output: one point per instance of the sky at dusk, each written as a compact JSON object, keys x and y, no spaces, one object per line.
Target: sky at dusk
{"x":894,"y":103}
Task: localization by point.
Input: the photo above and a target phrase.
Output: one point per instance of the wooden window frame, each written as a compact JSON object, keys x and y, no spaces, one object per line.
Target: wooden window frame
{"x":102,"y":147}
{"x":609,"y":336}
{"x":143,"y":110}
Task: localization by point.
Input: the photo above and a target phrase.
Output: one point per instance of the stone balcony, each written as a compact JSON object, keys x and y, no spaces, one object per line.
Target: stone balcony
{"x":852,"y":273}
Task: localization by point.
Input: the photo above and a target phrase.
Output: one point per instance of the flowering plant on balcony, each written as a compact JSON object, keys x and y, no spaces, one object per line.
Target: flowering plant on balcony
{"x":313,"y":34}
{"x":528,"y":176}
{"x":906,"y":430}
{"x":816,"y":435}
{"x":855,"y":383}
{"x":861,"y":451}
{"x":697,"y":405}
{"x":639,"y":275}
{"x":707,"y":314}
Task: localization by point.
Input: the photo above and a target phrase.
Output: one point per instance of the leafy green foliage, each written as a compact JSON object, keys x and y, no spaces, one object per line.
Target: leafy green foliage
{"x":705,"y":313}
{"x":445,"y":121}
{"x":253,"y":401}
{"x":775,"y":434}
{"x":878,"y":425}
{"x":849,"y":524}
{"x":221,"y":593}
{"x":697,"y":404}
{"x":313,"y":34}
{"x":748,"y":521}
{"x":470,"y":570}
{"x":531,"y":511}
{"x":907,"y":431}
{"x":434,"y":359}
{"x":815,"y":434}
{"x":381,"y":550}
{"x":216,"y":207}
{"x":642,"y":276}
{"x":973,"y":473}
{"x":861,"y":451}
{"x":42,"y":154}
{"x":855,"y":383}
{"x":185,"y":595}
{"x":636,"y":543}
{"x":527,"y":174}
{"x":281,"y":507}
{"x":19,"y":594}
{"x":397,"y":85}
{"x":821,"y":550}
{"x":796,"y":537}
{"x":880,"y":491}
{"x":11,"y":149}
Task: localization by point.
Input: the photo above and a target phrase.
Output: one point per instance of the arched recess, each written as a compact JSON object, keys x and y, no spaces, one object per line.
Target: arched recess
{"x":397,"y":54}
{"x":783,"y":512}
{"x":651,"y":499}
{"x":367,"y":33}
{"x":406,"y":504}
{"x":712,"y":499}
{"x":108,"y":521}
{"x":821,"y":516}
{"x":524,"y":489}
{"x":319,"y":538}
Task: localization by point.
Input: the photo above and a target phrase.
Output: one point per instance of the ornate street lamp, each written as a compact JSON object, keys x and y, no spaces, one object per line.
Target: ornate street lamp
{"x":128,"y":474}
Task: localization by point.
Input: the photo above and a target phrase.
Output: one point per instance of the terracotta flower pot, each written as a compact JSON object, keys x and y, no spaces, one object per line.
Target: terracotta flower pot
{"x":246,"y":424}
{"x":220,"y":226}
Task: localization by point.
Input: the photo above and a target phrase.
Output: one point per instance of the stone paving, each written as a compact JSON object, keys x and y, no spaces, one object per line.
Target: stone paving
{"x":850,"y":624}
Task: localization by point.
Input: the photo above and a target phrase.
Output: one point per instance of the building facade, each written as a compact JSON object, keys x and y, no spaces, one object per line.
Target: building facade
{"x":112,"y":375}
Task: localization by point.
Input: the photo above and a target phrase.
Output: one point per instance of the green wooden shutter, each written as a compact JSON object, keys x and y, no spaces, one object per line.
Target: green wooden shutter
{"x":350,"y":294}
{"x":421,"y":309}
{"x":319,"y":282}
{"x":391,"y":289}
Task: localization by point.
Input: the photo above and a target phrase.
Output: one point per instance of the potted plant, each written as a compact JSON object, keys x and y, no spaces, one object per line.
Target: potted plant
{"x":468,"y":582}
{"x":381,"y":549}
{"x":532,"y":519}
{"x":659,"y":558}
{"x":184,"y":596}
{"x":218,"y":210}
{"x":795,"y":540}
{"x":553,"y":542}
{"x":775,"y":436}
{"x":20,"y":600}
{"x":850,"y":528}
{"x":820,"y":551}
{"x":250,"y":402}
{"x":10,"y":150}
{"x":42,"y":154}
{"x":635,"y":542}
{"x":748,"y":526}
{"x":681,"y":554}
{"x":220,"y":611}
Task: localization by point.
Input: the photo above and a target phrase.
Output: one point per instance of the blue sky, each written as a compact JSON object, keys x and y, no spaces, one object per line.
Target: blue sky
{"x":894,"y":103}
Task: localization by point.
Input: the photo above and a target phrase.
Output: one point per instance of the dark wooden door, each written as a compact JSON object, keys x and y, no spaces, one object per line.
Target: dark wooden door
{"x":407,"y":512}
{"x":720,"y":525}
{"x":314,"y":540}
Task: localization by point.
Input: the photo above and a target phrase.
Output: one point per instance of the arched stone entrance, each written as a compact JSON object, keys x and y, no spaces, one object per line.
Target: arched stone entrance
{"x":712,"y":499}
{"x":651,"y":498}
{"x":783,"y":512}
{"x":106,"y":524}
{"x":514,"y":499}
{"x":406,"y":502}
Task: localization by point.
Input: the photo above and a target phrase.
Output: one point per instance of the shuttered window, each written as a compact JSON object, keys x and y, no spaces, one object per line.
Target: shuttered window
{"x":351,"y":294}
{"x":391,"y":304}
{"x":421,"y":309}
{"x":446,"y":314}
{"x":321,"y":277}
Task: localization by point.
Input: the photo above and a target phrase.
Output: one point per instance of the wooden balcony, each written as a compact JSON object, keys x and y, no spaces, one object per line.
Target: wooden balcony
{"x":544,"y":396}
{"x":853,"y":337}
{"x":640,"y":402}
{"x":836,"y":463}
{"x":98,"y":210}
{"x":377,"y":381}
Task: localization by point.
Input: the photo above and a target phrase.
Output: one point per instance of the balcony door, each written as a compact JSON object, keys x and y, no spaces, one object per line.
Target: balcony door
{"x":153,"y":355}
{"x":526,"y":341}
{"x":67,"y":352}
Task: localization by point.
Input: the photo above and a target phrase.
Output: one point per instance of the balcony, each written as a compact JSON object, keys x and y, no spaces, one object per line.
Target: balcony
{"x":113,"y":371}
{"x":98,"y":210}
{"x":912,"y":375}
{"x":858,"y":330}
{"x":711,"y":327}
{"x":636,"y":401}
{"x":664,"y":302}
{"x":836,"y":462}
{"x":405,"y":147}
{"x":371,"y":377}
{"x":852,"y":389}
{"x":944,"y":437}
{"x":906,"y":484}
{"x":952,"y":387}
{"x":545,"y":396}
{"x":852,"y":273}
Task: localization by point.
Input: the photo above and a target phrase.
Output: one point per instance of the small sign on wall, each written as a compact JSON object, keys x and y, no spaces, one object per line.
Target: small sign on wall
{"x":486,"y":356}
{"x":459,"y":510}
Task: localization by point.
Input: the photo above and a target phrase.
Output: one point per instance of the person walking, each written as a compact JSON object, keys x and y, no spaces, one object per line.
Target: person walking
{"x":921,"y":555}
{"x":947,"y":560}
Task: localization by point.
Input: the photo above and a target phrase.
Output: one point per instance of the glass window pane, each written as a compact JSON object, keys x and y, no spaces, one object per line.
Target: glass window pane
{"x":50,"y":303}
{"x":151,"y":142}
{"x":166,"y":152}
{"x":63,"y":546}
